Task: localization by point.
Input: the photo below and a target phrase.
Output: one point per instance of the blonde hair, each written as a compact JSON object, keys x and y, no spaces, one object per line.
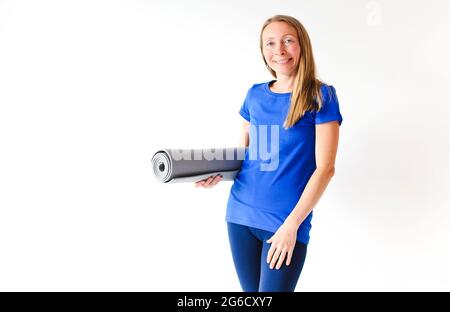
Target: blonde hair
{"x":306,"y":89}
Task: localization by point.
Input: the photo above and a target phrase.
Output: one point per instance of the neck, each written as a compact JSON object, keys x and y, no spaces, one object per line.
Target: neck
{"x":285,"y":83}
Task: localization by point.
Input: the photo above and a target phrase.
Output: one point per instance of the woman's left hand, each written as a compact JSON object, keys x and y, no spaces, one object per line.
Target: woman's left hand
{"x":283,"y":243}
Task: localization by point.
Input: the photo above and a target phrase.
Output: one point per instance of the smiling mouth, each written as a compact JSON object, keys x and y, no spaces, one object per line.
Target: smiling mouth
{"x":283,"y":62}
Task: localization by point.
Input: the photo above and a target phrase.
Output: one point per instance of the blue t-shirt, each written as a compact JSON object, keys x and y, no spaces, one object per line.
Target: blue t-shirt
{"x":263,"y":198}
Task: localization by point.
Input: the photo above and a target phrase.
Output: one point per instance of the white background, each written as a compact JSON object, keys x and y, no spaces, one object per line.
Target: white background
{"x":89,"y":90}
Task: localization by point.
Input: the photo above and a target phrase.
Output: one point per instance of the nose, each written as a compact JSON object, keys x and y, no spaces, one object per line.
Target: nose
{"x":279,"y":49}
{"x":279,"y":54}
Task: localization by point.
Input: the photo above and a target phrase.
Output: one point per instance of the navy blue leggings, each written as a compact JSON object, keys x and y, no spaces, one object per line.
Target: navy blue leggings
{"x":249,"y":249}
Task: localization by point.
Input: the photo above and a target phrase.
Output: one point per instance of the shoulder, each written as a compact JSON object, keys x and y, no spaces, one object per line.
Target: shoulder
{"x":257,"y":89}
{"x":328,"y":93}
{"x":259,"y":86}
{"x":329,"y":110}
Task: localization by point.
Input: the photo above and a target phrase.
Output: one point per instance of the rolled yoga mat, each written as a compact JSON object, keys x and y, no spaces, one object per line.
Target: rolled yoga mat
{"x":192,"y":165}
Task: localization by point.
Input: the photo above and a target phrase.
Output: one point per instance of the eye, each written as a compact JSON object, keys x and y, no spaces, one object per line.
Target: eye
{"x":269,"y":44}
{"x":288,"y":40}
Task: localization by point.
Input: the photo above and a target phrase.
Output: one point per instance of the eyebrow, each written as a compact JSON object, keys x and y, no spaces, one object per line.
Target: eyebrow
{"x":281,"y":36}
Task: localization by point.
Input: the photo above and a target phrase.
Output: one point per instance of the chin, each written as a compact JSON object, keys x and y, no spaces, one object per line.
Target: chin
{"x":284,"y":72}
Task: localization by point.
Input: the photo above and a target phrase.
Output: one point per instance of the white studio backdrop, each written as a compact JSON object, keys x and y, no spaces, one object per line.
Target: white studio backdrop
{"x":89,"y":90}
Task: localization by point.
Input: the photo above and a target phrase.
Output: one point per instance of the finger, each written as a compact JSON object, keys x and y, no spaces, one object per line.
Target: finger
{"x":270,"y":253}
{"x":281,"y":259}
{"x":201,"y":183}
{"x":270,"y":239}
{"x":275,"y":258}
{"x":216,"y":180}
{"x":198,"y":183}
{"x":213,"y":181}
{"x":208,"y":181}
{"x":204,"y":183}
{"x":289,"y":256}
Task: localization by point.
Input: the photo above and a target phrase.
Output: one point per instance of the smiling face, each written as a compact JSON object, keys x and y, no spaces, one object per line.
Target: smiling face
{"x":281,"y":48}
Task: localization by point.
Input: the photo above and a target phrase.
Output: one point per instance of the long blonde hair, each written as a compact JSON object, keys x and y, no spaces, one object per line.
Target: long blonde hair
{"x":306,"y":94}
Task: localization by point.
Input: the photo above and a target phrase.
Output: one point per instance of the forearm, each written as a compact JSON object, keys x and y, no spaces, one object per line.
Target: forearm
{"x":311,"y":195}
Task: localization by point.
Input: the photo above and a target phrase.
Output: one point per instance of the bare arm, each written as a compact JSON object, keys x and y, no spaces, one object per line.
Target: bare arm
{"x":283,"y":241}
{"x":327,"y":137}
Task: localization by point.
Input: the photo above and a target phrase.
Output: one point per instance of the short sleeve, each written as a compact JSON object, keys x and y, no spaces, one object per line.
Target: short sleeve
{"x":330,"y":106}
{"x":245,"y":109}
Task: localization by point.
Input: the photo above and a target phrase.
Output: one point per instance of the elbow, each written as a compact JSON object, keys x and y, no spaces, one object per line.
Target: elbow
{"x":327,"y":171}
{"x":332,"y":172}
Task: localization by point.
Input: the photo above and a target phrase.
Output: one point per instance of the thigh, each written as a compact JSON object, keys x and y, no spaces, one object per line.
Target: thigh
{"x":246,"y":252}
{"x":285,"y":279}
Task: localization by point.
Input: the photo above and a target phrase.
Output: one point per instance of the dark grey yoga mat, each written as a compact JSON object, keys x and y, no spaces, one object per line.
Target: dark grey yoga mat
{"x":192,"y":165}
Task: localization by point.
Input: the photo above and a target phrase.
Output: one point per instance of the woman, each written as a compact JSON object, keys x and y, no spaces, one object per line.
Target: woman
{"x":269,"y":211}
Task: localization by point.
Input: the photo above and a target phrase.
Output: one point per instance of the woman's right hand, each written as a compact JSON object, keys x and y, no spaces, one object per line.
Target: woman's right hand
{"x":210,"y":182}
